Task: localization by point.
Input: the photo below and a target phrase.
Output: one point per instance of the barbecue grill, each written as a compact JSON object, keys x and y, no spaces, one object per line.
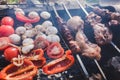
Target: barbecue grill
{"x":83,"y":67}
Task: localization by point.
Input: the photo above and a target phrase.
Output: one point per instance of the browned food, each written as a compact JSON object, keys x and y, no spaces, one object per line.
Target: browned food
{"x":68,"y":36}
{"x":115,"y":63}
{"x":101,"y":32}
{"x":96,"y":77}
{"x":107,"y":15}
{"x":75,"y":23}
{"x":93,"y":18}
{"x":88,"y":49}
{"x":42,"y":43}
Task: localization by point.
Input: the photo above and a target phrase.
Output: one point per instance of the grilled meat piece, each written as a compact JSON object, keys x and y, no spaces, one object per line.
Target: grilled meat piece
{"x":115,"y":63}
{"x":88,"y":49}
{"x":96,"y":77}
{"x":75,"y":23}
{"x":107,"y":15}
{"x":113,"y":23}
{"x":102,"y":34}
{"x":101,"y":12}
{"x":67,"y":35}
{"x":93,"y":18}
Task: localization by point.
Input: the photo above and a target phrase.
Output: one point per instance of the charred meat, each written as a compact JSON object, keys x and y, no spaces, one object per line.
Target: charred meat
{"x":102,"y":34}
{"x":68,"y":36}
{"x":107,"y":15}
{"x":88,"y":49}
{"x":75,"y":23}
{"x":96,"y":77}
{"x":115,"y":63}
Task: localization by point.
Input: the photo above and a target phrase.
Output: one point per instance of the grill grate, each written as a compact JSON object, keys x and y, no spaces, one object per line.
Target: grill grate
{"x":75,"y":72}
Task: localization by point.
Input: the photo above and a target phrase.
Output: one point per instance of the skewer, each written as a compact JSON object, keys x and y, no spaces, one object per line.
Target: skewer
{"x":88,"y":14}
{"x":89,"y":5}
{"x":94,"y":59}
{"x":2,"y":56}
{"x":115,"y":46}
{"x":78,"y":57}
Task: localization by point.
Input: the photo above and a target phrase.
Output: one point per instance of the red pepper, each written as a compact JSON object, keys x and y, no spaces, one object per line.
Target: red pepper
{"x":23,"y":18}
{"x":37,"y":57}
{"x":55,"y":50}
{"x":40,"y":62}
{"x":60,"y":64}
{"x":25,"y":72}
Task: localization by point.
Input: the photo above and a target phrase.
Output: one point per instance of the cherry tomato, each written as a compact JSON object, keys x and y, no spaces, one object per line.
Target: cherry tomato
{"x":6,"y":30}
{"x":10,"y":53}
{"x":55,"y":50}
{"x":4,"y":42}
{"x":7,"y":21}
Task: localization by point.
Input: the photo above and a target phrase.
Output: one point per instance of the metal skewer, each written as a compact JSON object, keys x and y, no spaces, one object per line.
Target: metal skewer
{"x":2,"y":56}
{"x":89,"y":5}
{"x":78,"y":57}
{"x":88,"y":14}
{"x":94,"y":59}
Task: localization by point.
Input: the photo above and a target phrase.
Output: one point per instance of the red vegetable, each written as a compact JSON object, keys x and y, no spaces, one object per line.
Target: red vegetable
{"x":40,"y":62}
{"x":55,"y":50}
{"x":23,"y":18}
{"x":7,"y":21}
{"x":37,"y":57}
{"x":6,"y":30}
{"x":4,"y":42}
{"x":10,"y":53}
{"x":24,"y":72}
{"x":60,"y":64}
{"x":41,"y":43}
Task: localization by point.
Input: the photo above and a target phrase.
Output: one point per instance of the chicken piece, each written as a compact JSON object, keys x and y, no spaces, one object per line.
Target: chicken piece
{"x":88,"y":49}
{"x":96,"y":77}
{"x":115,"y":16}
{"x":93,"y":18}
{"x":115,"y":63}
{"x":107,"y":15}
{"x":114,"y":23}
{"x":75,"y":23}
{"x":101,"y":12}
{"x":102,"y":34}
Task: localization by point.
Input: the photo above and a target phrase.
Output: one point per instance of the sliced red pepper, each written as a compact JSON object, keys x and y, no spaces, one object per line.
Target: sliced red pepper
{"x":39,"y":63}
{"x":23,"y":18}
{"x":37,"y":57}
{"x":60,"y":64}
{"x":25,"y":72}
{"x":55,"y":50}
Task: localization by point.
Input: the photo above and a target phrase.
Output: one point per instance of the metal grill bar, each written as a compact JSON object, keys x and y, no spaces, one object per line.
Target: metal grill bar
{"x":67,"y":10}
{"x":115,"y":46}
{"x":94,"y":59}
{"x":78,"y":57}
